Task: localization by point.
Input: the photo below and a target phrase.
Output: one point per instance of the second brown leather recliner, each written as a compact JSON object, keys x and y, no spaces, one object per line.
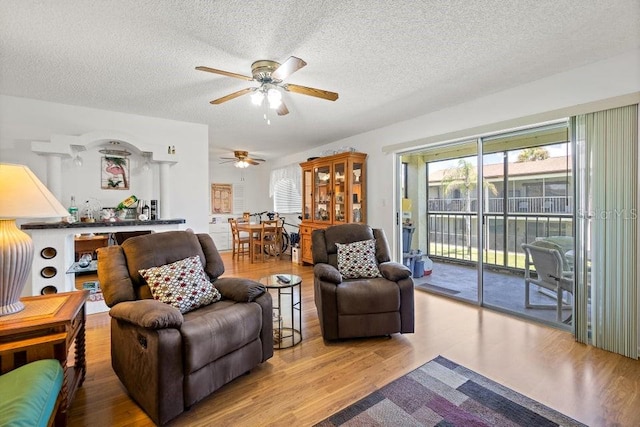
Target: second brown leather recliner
{"x":360,"y":307}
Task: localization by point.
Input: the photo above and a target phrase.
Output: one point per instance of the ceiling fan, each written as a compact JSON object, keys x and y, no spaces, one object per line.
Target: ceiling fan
{"x":241,"y":159}
{"x":271,"y":75}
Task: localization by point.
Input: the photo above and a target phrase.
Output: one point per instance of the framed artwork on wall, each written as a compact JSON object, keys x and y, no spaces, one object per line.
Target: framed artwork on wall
{"x":114,"y":173}
{"x":221,"y":198}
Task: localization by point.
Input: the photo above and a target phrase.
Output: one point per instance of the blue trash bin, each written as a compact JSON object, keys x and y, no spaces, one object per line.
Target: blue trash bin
{"x":418,"y":268}
{"x":407,"y":235}
{"x":409,"y":260}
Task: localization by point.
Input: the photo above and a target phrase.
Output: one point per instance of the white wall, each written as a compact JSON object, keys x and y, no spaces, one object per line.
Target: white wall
{"x":25,"y":120}
{"x":575,"y":91}
{"x":251,"y":183}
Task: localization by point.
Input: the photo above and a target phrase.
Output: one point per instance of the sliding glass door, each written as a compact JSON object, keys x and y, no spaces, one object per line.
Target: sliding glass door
{"x":471,"y":217}
{"x":528,"y":227}
{"x":440,"y":219}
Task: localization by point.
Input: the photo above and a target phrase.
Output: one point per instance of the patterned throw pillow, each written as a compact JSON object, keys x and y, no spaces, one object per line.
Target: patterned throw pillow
{"x":358,"y":260}
{"x":182,"y":284}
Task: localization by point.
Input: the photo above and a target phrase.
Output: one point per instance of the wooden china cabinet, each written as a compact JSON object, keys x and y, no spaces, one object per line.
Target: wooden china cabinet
{"x":334,"y":193}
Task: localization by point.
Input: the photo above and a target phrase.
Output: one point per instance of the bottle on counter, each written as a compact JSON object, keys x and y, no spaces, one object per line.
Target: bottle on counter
{"x":143,"y":210}
{"x":153,"y":212}
{"x":126,"y":203}
{"x":146,"y":210}
{"x":73,"y":210}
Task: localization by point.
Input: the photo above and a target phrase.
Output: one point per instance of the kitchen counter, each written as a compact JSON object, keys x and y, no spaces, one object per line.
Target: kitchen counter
{"x":54,"y":245}
{"x":97,"y":224}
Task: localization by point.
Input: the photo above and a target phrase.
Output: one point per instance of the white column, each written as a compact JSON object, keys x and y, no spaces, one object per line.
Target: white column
{"x":54,"y":175}
{"x":165,"y":197}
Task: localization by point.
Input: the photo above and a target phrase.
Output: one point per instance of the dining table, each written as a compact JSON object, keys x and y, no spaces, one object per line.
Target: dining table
{"x":254,"y":229}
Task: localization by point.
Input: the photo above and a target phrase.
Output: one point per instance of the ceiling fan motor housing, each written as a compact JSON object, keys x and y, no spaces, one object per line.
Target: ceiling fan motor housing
{"x":262,"y":69}
{"x":240,"y":155}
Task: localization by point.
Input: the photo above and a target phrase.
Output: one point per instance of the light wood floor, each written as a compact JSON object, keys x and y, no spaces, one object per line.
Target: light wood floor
{"x":304,"y":384}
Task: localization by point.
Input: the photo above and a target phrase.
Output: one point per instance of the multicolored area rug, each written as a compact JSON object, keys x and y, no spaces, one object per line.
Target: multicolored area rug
{"x":443,"y":393}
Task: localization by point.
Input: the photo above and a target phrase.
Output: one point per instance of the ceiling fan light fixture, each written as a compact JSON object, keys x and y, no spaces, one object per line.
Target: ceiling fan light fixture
{"x":242,"y":164}
{"x":257,"y":97}
{"x":274,"y":97}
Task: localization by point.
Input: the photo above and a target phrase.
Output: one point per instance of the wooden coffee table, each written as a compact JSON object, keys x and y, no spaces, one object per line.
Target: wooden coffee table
{"x":49,"y":327}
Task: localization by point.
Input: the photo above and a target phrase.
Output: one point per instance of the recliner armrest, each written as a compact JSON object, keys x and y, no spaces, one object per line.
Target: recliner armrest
{"x":238,"y":289}
{"x":394,"y":271}
{"x":148,"y":313}
{"x":327,"y":273}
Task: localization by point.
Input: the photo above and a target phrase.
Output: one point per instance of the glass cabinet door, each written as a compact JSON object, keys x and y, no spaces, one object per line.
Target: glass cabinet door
{"x":339,"y":192}
{"x":357,"y":180}
{"x":307,"y":188}
{"x":322,"y":193}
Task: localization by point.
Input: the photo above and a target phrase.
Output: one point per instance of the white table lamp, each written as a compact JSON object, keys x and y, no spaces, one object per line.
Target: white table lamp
{"x":22,"y":195}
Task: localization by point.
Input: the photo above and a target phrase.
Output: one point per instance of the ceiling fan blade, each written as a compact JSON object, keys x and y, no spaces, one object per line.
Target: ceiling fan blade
{"x":227,"y":161}
{"x":282,"y":110}
{"x":252,"y":162}
{"x":318,"y":93}
{"x":231,"y":96}
{"x":224,"y":73}
{"x":290,"y":66}
{"x":254,"y":159}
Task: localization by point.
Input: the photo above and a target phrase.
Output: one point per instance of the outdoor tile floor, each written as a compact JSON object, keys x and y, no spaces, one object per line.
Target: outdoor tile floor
{"x":501,"y":289}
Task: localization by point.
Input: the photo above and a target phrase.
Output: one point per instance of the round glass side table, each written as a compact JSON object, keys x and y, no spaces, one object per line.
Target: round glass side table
{"x":286,"y":294}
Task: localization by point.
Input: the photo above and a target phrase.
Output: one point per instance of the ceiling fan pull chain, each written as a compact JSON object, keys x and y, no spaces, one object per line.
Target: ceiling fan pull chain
{"x":266,"y":113}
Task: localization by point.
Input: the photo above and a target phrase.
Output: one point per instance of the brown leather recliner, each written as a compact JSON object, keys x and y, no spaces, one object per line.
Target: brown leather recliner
{"x":362,"y":307}
{"x":168,"y":361}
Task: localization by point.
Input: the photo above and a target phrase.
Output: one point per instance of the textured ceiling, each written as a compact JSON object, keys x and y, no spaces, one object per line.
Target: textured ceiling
{"x":389,"y":61}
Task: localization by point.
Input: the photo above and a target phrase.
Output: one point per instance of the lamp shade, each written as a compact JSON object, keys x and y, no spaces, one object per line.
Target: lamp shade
{"x":22,"y":195}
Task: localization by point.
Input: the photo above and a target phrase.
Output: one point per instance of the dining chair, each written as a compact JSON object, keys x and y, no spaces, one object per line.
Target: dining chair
{"x":240,"y":242}
{"x":269,"y":240}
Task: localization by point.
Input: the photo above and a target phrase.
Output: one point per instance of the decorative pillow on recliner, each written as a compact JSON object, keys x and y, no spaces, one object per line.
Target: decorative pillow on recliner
{"x":182,"y":284}
{"x":358,"y":260}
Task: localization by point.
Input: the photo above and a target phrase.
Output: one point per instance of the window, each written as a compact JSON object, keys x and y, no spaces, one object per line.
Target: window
{"x":286,"y":198}
{"x":285,"y":189}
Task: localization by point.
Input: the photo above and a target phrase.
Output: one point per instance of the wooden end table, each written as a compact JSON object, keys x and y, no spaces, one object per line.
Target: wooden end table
{"x":49,"y":327}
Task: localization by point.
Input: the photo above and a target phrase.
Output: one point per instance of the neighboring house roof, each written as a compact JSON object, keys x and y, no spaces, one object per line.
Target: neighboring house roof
{"x":537,"y":167}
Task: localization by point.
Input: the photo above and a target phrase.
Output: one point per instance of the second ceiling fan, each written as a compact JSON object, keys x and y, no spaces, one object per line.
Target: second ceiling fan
{"x":241,"y":159}
{"x":271,"y":75}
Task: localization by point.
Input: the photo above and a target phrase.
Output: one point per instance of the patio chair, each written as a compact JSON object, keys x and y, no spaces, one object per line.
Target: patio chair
{"x":548,"y":265}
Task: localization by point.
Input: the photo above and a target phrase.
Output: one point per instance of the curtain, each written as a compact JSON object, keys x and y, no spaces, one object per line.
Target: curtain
{"x":291,"y":172}
{"x":607,"y":229}
{"x":285,"y":189}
